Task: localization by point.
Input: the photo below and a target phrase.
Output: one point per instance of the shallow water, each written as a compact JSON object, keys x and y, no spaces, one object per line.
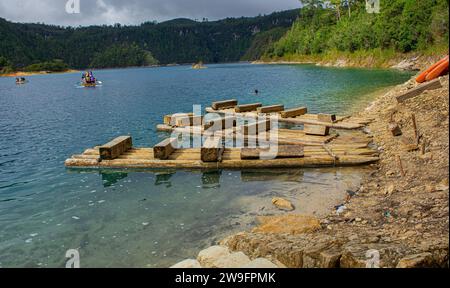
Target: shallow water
{"x":150,"y":218}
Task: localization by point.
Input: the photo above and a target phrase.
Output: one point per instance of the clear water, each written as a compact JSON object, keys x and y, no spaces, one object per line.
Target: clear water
{"x":150,"y":218}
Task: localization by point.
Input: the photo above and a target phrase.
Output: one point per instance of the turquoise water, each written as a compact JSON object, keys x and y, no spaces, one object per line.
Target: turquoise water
{"x":150,"y":218}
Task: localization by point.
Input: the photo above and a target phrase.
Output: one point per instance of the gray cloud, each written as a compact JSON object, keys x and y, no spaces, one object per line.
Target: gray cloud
{"x":135,"y":11}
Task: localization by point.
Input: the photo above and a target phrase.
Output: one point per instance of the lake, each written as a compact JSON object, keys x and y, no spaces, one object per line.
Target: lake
{"x":141,"y":218}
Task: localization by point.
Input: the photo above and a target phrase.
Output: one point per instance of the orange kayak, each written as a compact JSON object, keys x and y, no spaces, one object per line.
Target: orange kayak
{"x":422,"y":77}
{"x":438,"y":71}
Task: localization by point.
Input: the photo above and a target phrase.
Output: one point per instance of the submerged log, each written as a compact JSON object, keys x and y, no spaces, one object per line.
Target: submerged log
{"x":434,"y":84}
{"x":294,"y":112}
{"x":270,"y":109}
{"x":282,"y":151}
{"x":319,"y":130}
{"x":326,"y":118}
{"x":212,"y":149}
{"x":115,"y":148}
{"x":224,"y":104}
{"x":247,"y":107}
{"x":163,"y":149}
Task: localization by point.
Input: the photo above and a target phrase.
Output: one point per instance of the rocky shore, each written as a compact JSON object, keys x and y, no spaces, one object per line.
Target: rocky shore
{"x":398,"y":217}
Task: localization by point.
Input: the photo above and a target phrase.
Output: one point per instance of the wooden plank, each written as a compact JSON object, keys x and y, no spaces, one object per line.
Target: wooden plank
{"x":247,"y":107}
{"x":316,"y":130}
{"x":434,"y":84}
{"x":256,"y":127}
{"x":284,"y":151}
{"x":115,"y":148}
{"x":294,"y":112}
{"x":163,"y":149}
{"x":172,"y":118}
{"x":224,"y":104}
{"x":221,"y":123}
{"x":270,"y":109}
{"x":326,"y":118}
{"x":212,"y":149}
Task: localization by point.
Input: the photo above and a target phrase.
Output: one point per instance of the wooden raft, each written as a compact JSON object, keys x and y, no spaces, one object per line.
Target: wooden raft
{"x":340,"y":122}
{"x":213,"y":155}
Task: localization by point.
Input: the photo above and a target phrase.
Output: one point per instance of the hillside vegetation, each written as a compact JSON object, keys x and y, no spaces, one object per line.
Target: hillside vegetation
{"x":175,"y":41}
{"x":327,"y":30}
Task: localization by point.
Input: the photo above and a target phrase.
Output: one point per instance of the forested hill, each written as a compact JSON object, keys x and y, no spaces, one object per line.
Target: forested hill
{"x":175,"y":41}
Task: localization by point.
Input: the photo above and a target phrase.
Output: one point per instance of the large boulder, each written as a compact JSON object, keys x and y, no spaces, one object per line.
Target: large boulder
{"x":290,"y":224}
{"x":188,"y":263}
{"x":234,"y":260}
{"x":260,"y":263}
{"x":211,"y":255}
{"x":282,"y":204}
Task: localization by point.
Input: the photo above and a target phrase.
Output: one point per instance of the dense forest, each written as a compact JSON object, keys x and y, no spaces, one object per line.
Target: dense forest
{"x":346,"y":26}
{"x":175,"y":41}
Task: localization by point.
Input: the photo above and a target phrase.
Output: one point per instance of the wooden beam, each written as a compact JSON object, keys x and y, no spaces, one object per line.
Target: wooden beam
{"x":294,"y":112}
{"x":284,"y":151}
{"x":247,"y":107}
{"x":189,"y":120}
{"x":172,"y":118}
{"x":331,"y":118}
{"x":270,"y":109}
{"x":115,"y":148}
{"x":212,"y":149}
{"x":256,"y":127}
{"x":319,"y":130}
{"x":434,"y":84}
{"x":224,"y":104}
{"x":163,"y":149}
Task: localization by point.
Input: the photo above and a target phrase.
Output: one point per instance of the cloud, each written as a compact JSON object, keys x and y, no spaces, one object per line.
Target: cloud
{"x":136,"y":11}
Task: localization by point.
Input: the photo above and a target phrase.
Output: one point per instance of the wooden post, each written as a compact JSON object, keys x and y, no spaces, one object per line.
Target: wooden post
{"x":416,"y":133}
{"x":163,"y":149}
{"x":319,"y":130}
{"x":189,"y":120}
{"x":115,"y":148}
{"x":224,"y":104}
{"x":271,"y":109}
{"x":400,"y":165}
{"x":294,"y":112}
{"x":212,"y":149}
{"x":247,"y":107}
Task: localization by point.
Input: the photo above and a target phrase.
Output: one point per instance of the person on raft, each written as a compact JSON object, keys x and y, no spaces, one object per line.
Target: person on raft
{"x":88,"y":78}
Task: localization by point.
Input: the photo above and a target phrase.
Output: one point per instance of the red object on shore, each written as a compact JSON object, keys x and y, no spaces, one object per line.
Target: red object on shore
{"x":438,"y":71}
{"x":423,"y":76}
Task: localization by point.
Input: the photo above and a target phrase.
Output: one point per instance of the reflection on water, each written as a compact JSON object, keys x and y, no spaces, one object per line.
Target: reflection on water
{"x":211,"y":179}
{"x":111,"y":178}
{"x":285,"y":175}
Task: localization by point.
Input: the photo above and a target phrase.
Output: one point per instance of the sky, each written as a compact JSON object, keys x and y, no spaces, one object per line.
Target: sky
{"x":134,"y":11}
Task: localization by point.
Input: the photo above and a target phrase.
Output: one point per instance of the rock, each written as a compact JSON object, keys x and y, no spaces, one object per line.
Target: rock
{"x":321,"y":256}
{"x":188,"y":263}
{"x":234,"y":260}
{"x":209,"y":256}
{"x":291,"y":224}
{"x":282,"y":204}
{"x":260,"y":263}
{"x":390,"y":189}
{"x":416,"y":261}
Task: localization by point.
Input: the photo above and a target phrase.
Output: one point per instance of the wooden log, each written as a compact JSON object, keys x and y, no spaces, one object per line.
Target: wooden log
{"x":284,"y":151}
{"x":172,"y":118}
{"x":256,"y":127}
{"x":434,"y":84}
{"x":416,"y":132}
{"x":395,"y":129}
{"x":167,"y":119}
{"x":400,"y":166}
{"x":224,"y":104}
{"x":189,"y":120}
{"x":318,"y":130}
{"x":115,"y":148}
{"x":221,"y":123}
{"x":212,"y":149}
{"x":294,"y":112}
{"x":270,"y":109}
{"x":326,"y":118}
{"x":247,"y":107}
{"x":163,"y":149}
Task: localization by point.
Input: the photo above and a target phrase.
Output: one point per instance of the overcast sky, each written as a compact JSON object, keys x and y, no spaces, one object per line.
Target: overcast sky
{"x":135,"y":11}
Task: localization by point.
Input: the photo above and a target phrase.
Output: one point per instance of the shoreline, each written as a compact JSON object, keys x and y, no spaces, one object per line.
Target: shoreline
{"x":26,"y":74}
{"x":399,"y":212}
